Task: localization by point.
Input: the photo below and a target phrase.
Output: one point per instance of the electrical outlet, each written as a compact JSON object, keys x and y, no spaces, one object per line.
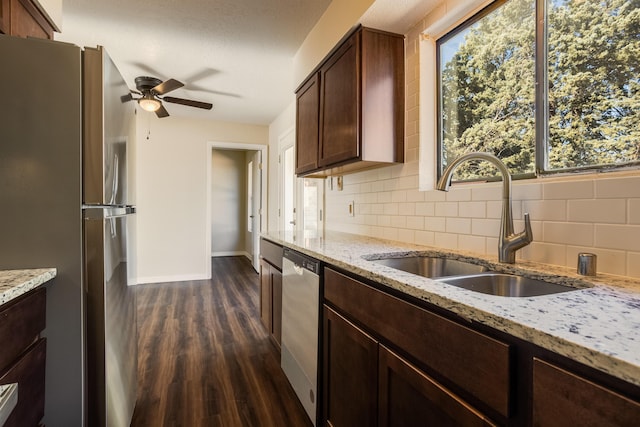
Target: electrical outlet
{"x":352,"y":208}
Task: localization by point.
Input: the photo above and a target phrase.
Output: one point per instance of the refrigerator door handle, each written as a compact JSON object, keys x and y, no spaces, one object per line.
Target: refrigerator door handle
{"x":114,"y":182}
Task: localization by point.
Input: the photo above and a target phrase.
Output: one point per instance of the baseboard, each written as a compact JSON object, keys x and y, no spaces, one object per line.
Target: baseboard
{"x":230,"y":253}
{"x":177,"y":278}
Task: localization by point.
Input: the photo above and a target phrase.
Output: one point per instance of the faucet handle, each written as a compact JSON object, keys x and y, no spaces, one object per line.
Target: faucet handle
{"x":527,"y":234}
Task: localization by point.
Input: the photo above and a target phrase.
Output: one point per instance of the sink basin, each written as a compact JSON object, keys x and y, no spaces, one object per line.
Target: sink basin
{"x":432,"y":266}
{"x":506,"y":285}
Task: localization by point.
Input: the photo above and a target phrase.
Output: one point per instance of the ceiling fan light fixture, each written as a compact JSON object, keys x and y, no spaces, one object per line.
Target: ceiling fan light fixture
{"x":149,"y":103}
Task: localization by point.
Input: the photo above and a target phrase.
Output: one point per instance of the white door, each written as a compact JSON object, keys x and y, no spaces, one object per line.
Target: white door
{"x":254,"y":208}
{"x":289,"y":187}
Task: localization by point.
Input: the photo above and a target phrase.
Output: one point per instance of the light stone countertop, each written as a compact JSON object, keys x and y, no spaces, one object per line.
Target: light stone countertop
{"x":597,"y":325}
{"x":14,"y":283}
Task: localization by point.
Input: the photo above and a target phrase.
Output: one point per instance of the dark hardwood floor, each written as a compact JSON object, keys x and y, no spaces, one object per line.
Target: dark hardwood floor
{"x":205,"y":359}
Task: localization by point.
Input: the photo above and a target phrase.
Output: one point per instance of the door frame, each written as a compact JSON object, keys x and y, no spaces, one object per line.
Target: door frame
{"x":216,"y":145}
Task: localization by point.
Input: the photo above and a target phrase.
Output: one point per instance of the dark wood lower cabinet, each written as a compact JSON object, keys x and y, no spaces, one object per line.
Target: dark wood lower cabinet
{"x":350,"y":373}
{"x":408,"y":397}
{"x":367,"y":384}
{"x":271,"y":300}
{"x":562,"y":398}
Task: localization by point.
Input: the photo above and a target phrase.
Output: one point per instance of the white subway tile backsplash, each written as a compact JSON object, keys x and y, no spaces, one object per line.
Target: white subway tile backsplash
{"x":486,"y":191}
{"x":568,"y":233}
{"x":522,"y":191}
{"x":472,"y":209}
{"x":494,"y":209}
{"x":611,"y":211}
{"x":624,"y":237}
{"x":435,"y":196}
{"x":447,"y":209}
{"x":633,"y":264}
{"x":621,"y":187}
{"x":415,"y":196}
{"x":407,"y":208}
{"x":391,"y":209}
{"x":435,"y":224}
{"x":546,"y":210}
{"x":458,"y":195}
{"x":399,"y":221}
{"x":446,"y":240}
{"x":384,"y":197}
{"x":546,"y":253}
{"x":568,"y":190}
{"x":398,"y":196}
{"x":633,"y":212}
{"x":426,"y":208}
{"x":458,"y":225}
{"x":415,"y":222}
{"x":485,"y":227}
{"x":471,"y":243}
{"x":407,"y":236}
{"x":425,"y":238}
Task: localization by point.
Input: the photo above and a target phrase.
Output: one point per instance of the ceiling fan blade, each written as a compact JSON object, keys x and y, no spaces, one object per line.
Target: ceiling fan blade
{"x":162,"y":112}
{"x":188,"y":102}
{"x":167,"y":86}
{"x":126,"y":98}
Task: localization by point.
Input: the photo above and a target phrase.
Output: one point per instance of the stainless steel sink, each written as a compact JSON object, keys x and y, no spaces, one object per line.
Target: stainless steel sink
{"x":432,"y":266}
{"x":506,"y":285}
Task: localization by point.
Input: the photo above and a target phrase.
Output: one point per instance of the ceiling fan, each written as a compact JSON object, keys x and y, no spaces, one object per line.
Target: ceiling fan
{"x":152,"y":91}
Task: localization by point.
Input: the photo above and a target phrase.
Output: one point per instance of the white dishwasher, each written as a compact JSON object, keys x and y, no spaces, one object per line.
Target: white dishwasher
{"x":300,"y":316}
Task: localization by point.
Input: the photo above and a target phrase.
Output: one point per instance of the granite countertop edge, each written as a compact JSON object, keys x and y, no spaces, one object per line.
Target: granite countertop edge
{"x":14,"y":283}
{"x":597,"y":325}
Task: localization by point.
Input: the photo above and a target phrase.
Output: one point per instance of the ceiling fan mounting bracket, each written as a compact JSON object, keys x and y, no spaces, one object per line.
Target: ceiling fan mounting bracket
{"x":145,"y":83}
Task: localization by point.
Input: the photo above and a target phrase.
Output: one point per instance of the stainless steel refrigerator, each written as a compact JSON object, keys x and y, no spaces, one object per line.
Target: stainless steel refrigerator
{"x":66,"y":127}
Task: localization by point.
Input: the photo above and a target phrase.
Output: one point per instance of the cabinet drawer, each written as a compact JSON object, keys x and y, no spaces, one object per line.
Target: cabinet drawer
{"x":29,"y":373}
{"x":478,"y":364}
{"x":271,"y":252}
{"x":562,"y":398}
{"x":21,"y":322}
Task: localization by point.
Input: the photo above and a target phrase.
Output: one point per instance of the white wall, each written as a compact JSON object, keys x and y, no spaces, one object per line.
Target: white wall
{"x":171,"y":192}
{"x":228,"y":202}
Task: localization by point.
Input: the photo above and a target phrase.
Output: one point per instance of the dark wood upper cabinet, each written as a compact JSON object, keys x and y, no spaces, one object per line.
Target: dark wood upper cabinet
{"x":308,"y":119}
{"x":4,"y":16}
{"x":357,"y":120}
{"x":22,"y":18}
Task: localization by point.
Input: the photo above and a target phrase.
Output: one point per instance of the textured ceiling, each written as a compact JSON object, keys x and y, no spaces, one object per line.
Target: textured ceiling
{"x":236,"y":54}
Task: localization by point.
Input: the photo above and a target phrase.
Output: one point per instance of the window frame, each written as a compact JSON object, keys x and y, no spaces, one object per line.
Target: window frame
{"x":541,"y":114}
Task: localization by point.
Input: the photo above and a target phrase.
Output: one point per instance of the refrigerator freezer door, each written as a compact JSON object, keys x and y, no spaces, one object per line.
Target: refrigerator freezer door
{"x":108,"y":111}
{"x":111,"y":320}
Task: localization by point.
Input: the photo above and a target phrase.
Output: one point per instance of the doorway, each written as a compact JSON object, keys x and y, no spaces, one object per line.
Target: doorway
{"x":235,"y":200}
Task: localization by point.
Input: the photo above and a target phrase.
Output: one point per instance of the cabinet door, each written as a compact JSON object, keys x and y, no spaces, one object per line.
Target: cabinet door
{"x":307,"y":120}
{"x":561,"y":398}
{"x":265,"y":294}
{"x":340,"y":104}
{"x":27,"y":21}
{"x":276,"y":307}
{"x":350,"y":373}
{"x":408,"y":397}
{"x":29,"y":373}
{"x":4,"y":16}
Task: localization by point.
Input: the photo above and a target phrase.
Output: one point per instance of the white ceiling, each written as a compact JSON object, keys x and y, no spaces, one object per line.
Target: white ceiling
{"x":236,"y":54}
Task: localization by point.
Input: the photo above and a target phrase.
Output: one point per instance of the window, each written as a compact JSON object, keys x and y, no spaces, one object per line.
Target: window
{"x":547,"y":98}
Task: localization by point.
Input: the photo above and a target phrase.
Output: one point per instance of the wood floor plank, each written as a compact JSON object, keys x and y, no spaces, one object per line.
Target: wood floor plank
{"x":205,"y":359}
